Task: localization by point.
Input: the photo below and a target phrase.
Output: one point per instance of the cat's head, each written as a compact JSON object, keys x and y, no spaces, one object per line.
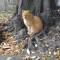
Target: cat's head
{"x":25,"y":11}
{"x":26,"y":14}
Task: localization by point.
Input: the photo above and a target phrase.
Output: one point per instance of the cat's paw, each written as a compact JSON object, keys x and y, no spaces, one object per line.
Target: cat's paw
{"x":29,"y":33}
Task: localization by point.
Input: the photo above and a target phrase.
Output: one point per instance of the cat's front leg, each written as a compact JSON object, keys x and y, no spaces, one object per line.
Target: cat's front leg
{"x":29,"y":30}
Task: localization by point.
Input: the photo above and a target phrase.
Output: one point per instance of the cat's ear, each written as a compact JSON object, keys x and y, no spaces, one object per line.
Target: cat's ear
{"x":28,"y":10}
{"x":25,"y":10}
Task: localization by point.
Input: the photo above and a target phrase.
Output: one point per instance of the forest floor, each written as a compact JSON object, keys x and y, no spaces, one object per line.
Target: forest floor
{"x":11,"y":49}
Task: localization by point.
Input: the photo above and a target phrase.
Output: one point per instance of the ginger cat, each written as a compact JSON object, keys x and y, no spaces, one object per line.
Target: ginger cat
{"x":33,"y":23}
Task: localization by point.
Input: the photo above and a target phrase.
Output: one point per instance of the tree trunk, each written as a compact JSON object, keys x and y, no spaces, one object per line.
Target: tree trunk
{"x":37,"y":7}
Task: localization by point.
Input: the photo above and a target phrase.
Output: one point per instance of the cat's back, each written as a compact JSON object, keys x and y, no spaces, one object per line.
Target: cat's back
{"x":37,"y":23}
{"x":37,"y":20}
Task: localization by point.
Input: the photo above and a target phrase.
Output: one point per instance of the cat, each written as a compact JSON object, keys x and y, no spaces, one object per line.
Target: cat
{"x":33,"y":23}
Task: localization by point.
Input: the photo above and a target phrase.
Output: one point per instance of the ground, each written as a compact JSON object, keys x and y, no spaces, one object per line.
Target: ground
{"x":11,"y":49}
